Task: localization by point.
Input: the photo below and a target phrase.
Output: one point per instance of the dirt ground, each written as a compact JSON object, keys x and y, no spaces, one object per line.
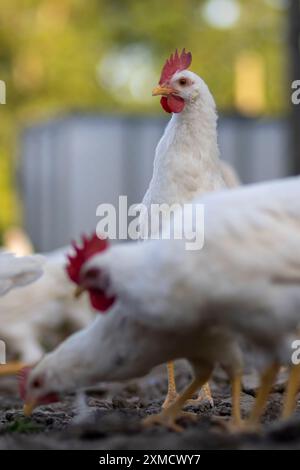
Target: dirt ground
{"x":112,"y":419}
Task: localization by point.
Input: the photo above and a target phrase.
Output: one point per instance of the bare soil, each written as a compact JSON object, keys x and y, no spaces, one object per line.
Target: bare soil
{"x":112,"y":418}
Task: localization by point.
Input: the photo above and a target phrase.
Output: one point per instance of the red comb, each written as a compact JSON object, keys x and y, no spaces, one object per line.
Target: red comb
{"x":174,"y":64}
{"x":90,"y":246}
{"x":22,"y":379}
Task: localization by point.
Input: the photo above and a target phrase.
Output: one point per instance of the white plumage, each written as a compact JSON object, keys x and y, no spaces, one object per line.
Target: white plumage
{"x":18,"y":272}
{"x":176,"y":303}
{"x":187,"y":161}
{"x":29,"y":316}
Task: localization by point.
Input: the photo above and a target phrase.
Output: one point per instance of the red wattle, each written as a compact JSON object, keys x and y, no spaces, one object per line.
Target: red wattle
{"x":172,"y":103}
{"x":50,"y":398}
{"x":100,"y":301}
{"x":176,"y":103}
{"x":164,"y":104}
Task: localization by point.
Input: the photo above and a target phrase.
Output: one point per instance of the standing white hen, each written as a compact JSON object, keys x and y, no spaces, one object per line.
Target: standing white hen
{"x":187,"y":158}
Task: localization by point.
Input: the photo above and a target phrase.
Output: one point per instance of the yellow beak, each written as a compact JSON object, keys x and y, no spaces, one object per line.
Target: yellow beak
{"x":29,"y":407}
{"x":163,"y":90}
{"x":78,"y":291}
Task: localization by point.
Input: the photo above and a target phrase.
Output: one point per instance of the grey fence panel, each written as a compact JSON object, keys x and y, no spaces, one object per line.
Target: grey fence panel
{"x":258,"y":149}
{"x":69,"y":166}
{"x":140,"y":141}
{"x":96,"y":170}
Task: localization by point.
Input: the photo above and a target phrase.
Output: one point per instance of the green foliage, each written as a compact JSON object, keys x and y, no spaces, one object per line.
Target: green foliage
{"x":23,"y":426}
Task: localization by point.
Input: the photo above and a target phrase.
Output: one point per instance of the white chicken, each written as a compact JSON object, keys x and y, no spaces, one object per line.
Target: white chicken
{"x":28,"y":316}
{"x":244,"y":284}
{"x":16,"y":272}
{"x":187,"y":159}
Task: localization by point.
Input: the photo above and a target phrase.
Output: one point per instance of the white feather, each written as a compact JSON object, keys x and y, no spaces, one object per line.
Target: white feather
{"x":18,"y":272}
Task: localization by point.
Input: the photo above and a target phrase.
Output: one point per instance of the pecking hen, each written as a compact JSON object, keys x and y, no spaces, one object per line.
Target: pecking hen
{"x":241,"y":288}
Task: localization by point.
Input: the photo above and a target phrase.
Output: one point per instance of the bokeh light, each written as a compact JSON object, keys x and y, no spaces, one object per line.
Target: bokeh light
{"x":221,"y":14}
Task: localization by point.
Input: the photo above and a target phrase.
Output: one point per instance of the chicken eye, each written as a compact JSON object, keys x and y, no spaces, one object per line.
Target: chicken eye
{"x":37,"y":383}
{"x":182,"y":81}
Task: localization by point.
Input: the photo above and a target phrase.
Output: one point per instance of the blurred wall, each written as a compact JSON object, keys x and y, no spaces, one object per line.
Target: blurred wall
{"x":69,"y":166}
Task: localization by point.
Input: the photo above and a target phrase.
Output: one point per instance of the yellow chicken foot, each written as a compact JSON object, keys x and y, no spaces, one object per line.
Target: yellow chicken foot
{"x":267,"y":380}
{"x":236,"y":423}
{"x":289,"y":403}
{"x":11,"y":368}
{"x":168,"y":416}
{"x":172,"y":394}
{"x":204,"y":395}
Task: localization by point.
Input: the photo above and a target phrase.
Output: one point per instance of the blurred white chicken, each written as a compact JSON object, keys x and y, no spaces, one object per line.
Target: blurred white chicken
{"x":243,"y":285}
{"x":18,"y":272}
{"x":29,"y":316}
{"x":187,"y":158}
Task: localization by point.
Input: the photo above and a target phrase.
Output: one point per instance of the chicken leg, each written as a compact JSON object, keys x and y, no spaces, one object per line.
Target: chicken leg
{"x":236,"y":423}
{"x":289,"y":404}
{"x":267,"y":380}
{"x":172,"y":392}
{"x":11,"y":368}
{"x":168,"y":416}
{"x":236,"y":387}
{"x":204,"y":394}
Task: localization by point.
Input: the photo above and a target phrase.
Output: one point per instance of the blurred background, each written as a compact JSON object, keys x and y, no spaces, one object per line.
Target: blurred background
{"x":79,"y":126}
